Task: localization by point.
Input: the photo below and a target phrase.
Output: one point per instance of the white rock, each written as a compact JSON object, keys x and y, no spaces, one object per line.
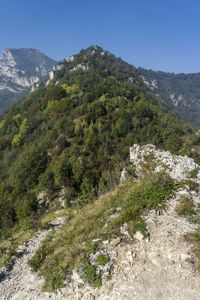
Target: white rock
{"x":139,"y":236}
{"x":129,"y":256}
{"x":178,"y":167}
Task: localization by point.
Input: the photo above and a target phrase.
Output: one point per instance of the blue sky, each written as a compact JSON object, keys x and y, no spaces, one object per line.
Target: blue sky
{"x":155,"y":34}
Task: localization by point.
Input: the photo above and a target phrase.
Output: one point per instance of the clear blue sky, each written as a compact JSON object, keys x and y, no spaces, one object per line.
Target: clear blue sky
{"x":157,"y":34}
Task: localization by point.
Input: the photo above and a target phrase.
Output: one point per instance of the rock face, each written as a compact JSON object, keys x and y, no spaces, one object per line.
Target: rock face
{"x":19,"y":70}
{"x":178,"y":167}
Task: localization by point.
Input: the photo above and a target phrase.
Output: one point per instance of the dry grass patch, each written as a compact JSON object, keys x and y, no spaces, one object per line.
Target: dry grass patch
{"x":185,"y":207}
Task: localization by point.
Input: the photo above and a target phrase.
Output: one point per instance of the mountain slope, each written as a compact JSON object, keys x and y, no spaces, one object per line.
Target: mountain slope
{"x":19,"y":69}
{"x":132,"y":238}
{"x":180,"y":91}
{"x":68,"y":142}
{"x":93,"y":109}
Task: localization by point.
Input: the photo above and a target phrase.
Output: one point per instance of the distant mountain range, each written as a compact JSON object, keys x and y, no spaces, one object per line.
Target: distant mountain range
{"x":19,"y":70}
{"x":180,"y":91}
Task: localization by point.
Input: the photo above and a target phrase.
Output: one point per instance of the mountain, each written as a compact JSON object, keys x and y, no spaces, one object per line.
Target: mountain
{"x":180,"y":91}
{"x":19,"y":70}
{"x":64,"y":150}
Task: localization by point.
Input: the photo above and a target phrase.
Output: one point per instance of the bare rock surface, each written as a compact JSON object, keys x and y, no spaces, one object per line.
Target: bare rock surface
{"x":178,"y":167}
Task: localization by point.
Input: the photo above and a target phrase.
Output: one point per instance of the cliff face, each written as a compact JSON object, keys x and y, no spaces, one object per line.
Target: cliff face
{"x":19,"y":70}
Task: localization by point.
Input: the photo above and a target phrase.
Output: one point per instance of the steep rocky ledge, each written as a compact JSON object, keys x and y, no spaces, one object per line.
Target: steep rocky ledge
{"x":160,"y":266}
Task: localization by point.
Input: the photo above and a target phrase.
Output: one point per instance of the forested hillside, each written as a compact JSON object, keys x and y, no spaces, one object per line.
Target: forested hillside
{"x":75,"y":133}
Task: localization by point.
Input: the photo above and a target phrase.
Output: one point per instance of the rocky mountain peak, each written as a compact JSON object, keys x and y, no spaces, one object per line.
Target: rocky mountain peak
{"x":19,"y":69}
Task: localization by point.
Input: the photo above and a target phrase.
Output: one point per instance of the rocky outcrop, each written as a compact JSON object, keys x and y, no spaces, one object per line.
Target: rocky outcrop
{"x":83,"y":67}
{"x":178,"y":167}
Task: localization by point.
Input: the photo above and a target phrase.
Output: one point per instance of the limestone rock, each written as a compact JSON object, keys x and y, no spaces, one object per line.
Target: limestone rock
{"x":139,"y":236}
{"x":178,"y":167}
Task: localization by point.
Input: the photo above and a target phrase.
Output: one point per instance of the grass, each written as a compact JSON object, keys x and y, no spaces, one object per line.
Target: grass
{"x":195,"y":237}
{"x":8,"y":247}
{"x":69,"y":247}
{"x":185,"y":207}
{"x":52,"y":214}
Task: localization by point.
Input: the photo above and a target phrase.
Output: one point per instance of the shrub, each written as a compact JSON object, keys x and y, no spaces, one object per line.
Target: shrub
{"x":140,"y":225}
{"x":102,"y":259}
{"x":91,"y":276}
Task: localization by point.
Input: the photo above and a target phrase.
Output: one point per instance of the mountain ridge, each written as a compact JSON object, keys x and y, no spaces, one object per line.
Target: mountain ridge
{"x":180,"y":91}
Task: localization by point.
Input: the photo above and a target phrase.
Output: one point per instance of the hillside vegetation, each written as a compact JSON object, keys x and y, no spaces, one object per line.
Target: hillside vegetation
{"x":73,"y":135}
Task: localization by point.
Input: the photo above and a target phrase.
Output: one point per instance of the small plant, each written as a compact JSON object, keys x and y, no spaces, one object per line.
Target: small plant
{"x":193,"y":173}
{"x":102,"y":259}
{"x":195,"y":218}
{"x":149,"y":164}
{"x":92,"y":277}
{"x":185,"y":207}
{"x":140,"y":226}
{"x":131,"y":170}
{"x":199,"y":266}
{"x":193,"y":185}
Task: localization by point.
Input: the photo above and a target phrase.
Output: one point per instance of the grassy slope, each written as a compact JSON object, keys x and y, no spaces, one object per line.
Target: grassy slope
{"x":70,"y":246}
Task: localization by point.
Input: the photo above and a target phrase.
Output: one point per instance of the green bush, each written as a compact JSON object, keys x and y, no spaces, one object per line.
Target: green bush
{"x":25,"y":208}
{"x":102,"y":259}
{"x":140,"y":225}
{"x":91,"y":276}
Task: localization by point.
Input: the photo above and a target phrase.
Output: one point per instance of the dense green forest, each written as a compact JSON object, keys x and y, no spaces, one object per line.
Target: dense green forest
{"x":75,"y":133}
